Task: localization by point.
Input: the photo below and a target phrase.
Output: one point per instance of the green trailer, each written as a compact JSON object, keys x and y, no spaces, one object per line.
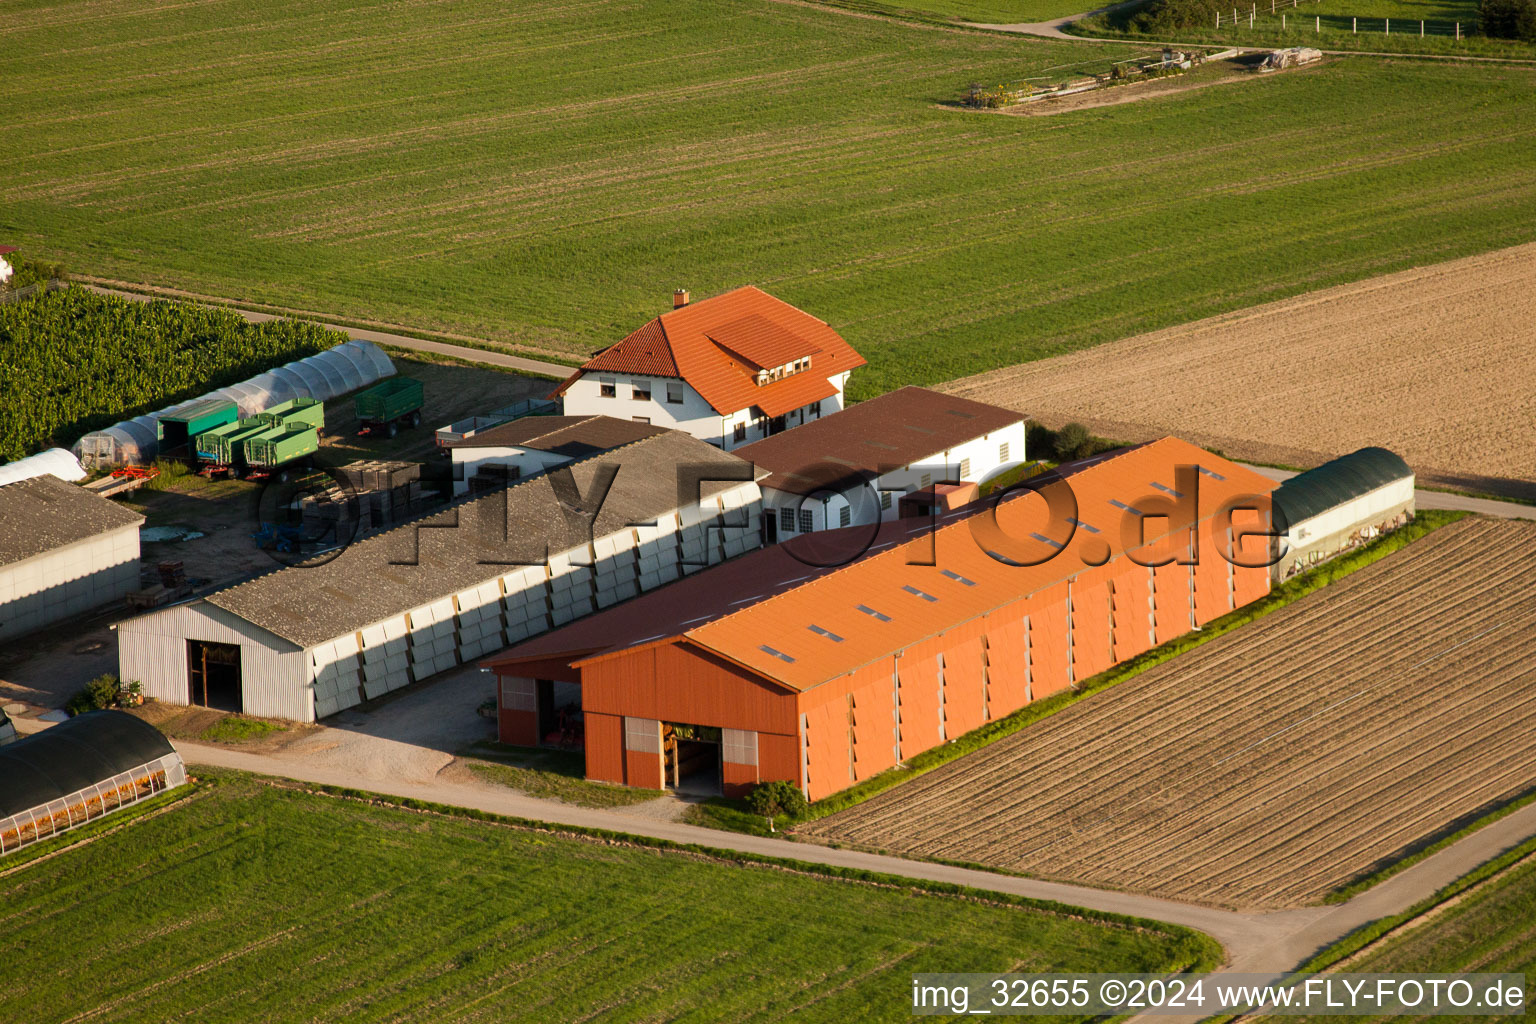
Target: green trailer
{"x":296,"y":412}
{"x":222,"y":450}
{"x":389,"y":405}
{"x":175,"y":429}
{"x":273,"y":451}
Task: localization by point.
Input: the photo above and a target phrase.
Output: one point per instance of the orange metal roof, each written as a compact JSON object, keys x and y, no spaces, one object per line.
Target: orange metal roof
{"x":716,"y":344}
{"x":801,"y":626}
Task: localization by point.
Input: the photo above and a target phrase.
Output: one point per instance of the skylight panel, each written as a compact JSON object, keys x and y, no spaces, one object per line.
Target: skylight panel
{"x":867,"y":610}
{"x":1210,"y":473}
{"x":958,"y":578}
{"x":1004,"y":558}
{"x":1079,"y":522}
{"x":919,"y":593}
{"x":1042,"y":538}
{"x":777,"y":654}
{"x":1123,"y":505}
{"x":1167,"y":490}
{"x":825,"y":632}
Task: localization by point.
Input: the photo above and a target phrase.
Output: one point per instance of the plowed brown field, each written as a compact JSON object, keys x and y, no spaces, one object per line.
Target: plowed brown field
{"x":1275,"y":763}
{"x":1436,"y":363}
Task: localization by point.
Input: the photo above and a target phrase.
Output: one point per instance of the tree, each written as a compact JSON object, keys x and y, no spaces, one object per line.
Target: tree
{"x":772,"y":799}
{"x":1073,"y":441}
{"x":1509,"y":19}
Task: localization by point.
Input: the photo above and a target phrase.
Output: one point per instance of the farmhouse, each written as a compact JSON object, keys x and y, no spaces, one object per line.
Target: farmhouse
{"x":852,"y":469}
{"x":731,"y":369}
{"x":826,"y":675}
{"x":1338,"y":505}
{"x":77,"y":771}
{"x":63,"y":552}
{"x":529,"y":446}
{"x":307,"y":641}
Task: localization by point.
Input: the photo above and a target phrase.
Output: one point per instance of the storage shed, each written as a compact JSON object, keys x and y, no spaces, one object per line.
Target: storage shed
{"x":322,"y":376}
{"x":77,"y":771}
{"x":63,"y":552}
{"x":1340,"y":505}
{"x":775,"y":669}
{"x":305,"y":642}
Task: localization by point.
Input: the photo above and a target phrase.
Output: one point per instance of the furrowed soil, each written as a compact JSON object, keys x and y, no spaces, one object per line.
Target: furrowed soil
{"x":1274,"y":764}
{"x":1435,"y":363}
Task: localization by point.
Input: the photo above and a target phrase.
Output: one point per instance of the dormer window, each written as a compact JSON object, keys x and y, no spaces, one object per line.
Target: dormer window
{"x":768,"y":376}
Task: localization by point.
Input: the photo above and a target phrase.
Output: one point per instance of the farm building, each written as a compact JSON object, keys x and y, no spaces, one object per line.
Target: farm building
{"x":853,"y":468}
{"x":1338,"y":505}
{"x":824,"y":676}
{"x":731,"y":369}
{"x":77,"y":771}
{"x":533,"y":444}
{"x":307,"y":641}
{"x":322,"y":376}
{"x":63,"y":552}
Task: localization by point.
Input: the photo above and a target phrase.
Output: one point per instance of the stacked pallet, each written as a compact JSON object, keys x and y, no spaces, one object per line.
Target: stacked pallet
{"x":374,"y":495}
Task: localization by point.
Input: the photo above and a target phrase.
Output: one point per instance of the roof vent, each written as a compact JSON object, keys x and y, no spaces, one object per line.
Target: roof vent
{"x":679,"y":298}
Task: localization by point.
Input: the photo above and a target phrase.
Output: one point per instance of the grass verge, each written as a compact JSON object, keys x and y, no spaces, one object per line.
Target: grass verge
{"x":239,"y":729}
{"x":549,"y":774}
{"x":729,"y":815}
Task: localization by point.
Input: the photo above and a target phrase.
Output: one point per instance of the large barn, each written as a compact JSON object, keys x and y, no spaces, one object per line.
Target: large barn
{"x":307,"y":641}
{"x":786,"y":666}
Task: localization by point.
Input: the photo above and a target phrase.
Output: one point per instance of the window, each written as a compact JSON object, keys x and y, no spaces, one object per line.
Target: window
{"x":919,"y":593}
{"x":674,"y":392}
{"x":740,"y":433}
{"x":885,"y":500}
{"x":965,"y":469}
{"x":807,"y":523}
{"x":1002,"y":452}
{"x":816,"y":409}
{"x":607,"y":387}
{"x":640,"y":390}
{"x":787,"y":519}
{"x":844,"y":516}
{"x":641,"y":419}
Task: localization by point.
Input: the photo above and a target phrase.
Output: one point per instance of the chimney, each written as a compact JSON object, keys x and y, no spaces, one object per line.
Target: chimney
{"x":680,"y":298}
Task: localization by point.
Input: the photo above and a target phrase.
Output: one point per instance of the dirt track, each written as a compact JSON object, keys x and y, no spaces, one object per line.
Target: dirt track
{"x":1273,"y":764}
{"x":1436,"y":363}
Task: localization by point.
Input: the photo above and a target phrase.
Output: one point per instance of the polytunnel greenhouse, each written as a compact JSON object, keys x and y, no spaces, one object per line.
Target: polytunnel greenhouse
{"x":53,"y":462}
{"x":77,"y":771}
{"x":325,"y":376}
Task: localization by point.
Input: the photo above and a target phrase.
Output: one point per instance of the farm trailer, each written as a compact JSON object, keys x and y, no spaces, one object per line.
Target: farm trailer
{"x":280,"y":449}
{"x":176,"y":428}
{"x":388,"y":404}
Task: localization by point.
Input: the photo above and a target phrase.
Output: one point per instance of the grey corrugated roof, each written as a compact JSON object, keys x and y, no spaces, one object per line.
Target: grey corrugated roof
{"x":42,"y":513}
{"x":1333,"y":483}
{"x":896,"y":429}
{"x":480,"y":538}
{"x":566,"y":435}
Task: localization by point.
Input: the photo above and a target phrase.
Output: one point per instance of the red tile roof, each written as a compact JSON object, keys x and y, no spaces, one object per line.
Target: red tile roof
{"x":919,"y":577}
{"x":717,"y":344}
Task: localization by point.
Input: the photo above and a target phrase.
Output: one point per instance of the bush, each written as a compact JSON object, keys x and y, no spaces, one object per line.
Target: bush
{"x":1508,"y":19}
{"x":772,"y":799}
{"x":1166,"y":15}
{"x":101,"y":692}
{"x":1073,"y":441}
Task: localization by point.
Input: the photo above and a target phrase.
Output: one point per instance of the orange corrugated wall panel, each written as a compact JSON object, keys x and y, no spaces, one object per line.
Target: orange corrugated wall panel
{"x":874,"y":720}
{"x":605,"y":746}
{"x":643,"y":770}
{"x":1213,"y":584}
{"x":682,"y":683}
{"x":1091,"y":649}
{"x":1170,"y":601}
{"x":918,"y":697}
{"x":778,"y":757}
{"x":1007,"y":661}
{"x":1250,"y":584}
{"x":1048,"y":641}
{"x":1133,"y":609}
{"x":965,"y":706}
{"x":738,"y":779}
{"x":828,"y":749}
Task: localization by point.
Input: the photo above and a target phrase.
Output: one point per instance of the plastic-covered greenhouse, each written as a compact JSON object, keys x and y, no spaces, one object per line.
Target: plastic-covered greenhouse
{"x":79,"y":770}
{"x":324,"y":376}
{"x":53,"y":462}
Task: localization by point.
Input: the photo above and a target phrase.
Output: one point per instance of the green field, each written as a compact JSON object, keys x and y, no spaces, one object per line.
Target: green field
{"x":985,"y":12}
{"x":544,"y":175}
{"x":1491,"y":931}
{"x":260,"y":903}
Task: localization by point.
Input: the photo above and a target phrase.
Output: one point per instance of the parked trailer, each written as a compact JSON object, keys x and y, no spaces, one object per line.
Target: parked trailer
{"x":221,"y":451}
{"x":179,"y":426}
{"x":461,"y":429}
{"x":388,"y":404}
{"x":296,"y":412}
{"x":276,"y":450}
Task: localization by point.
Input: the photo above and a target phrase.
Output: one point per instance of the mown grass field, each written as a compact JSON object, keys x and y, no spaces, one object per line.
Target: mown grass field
{"x":544,"y":174}
{"x":259,"y":903}
{"x":985,"y":12}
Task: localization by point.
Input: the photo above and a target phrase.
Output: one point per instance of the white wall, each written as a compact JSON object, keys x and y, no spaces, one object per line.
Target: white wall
{"x":694,"y":415}
{"x":468,"y":461}
{"x":1330,"y":532}
{"x":152,"y":649}
{"x":985,"y":457}
{"x":68,"y":581}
